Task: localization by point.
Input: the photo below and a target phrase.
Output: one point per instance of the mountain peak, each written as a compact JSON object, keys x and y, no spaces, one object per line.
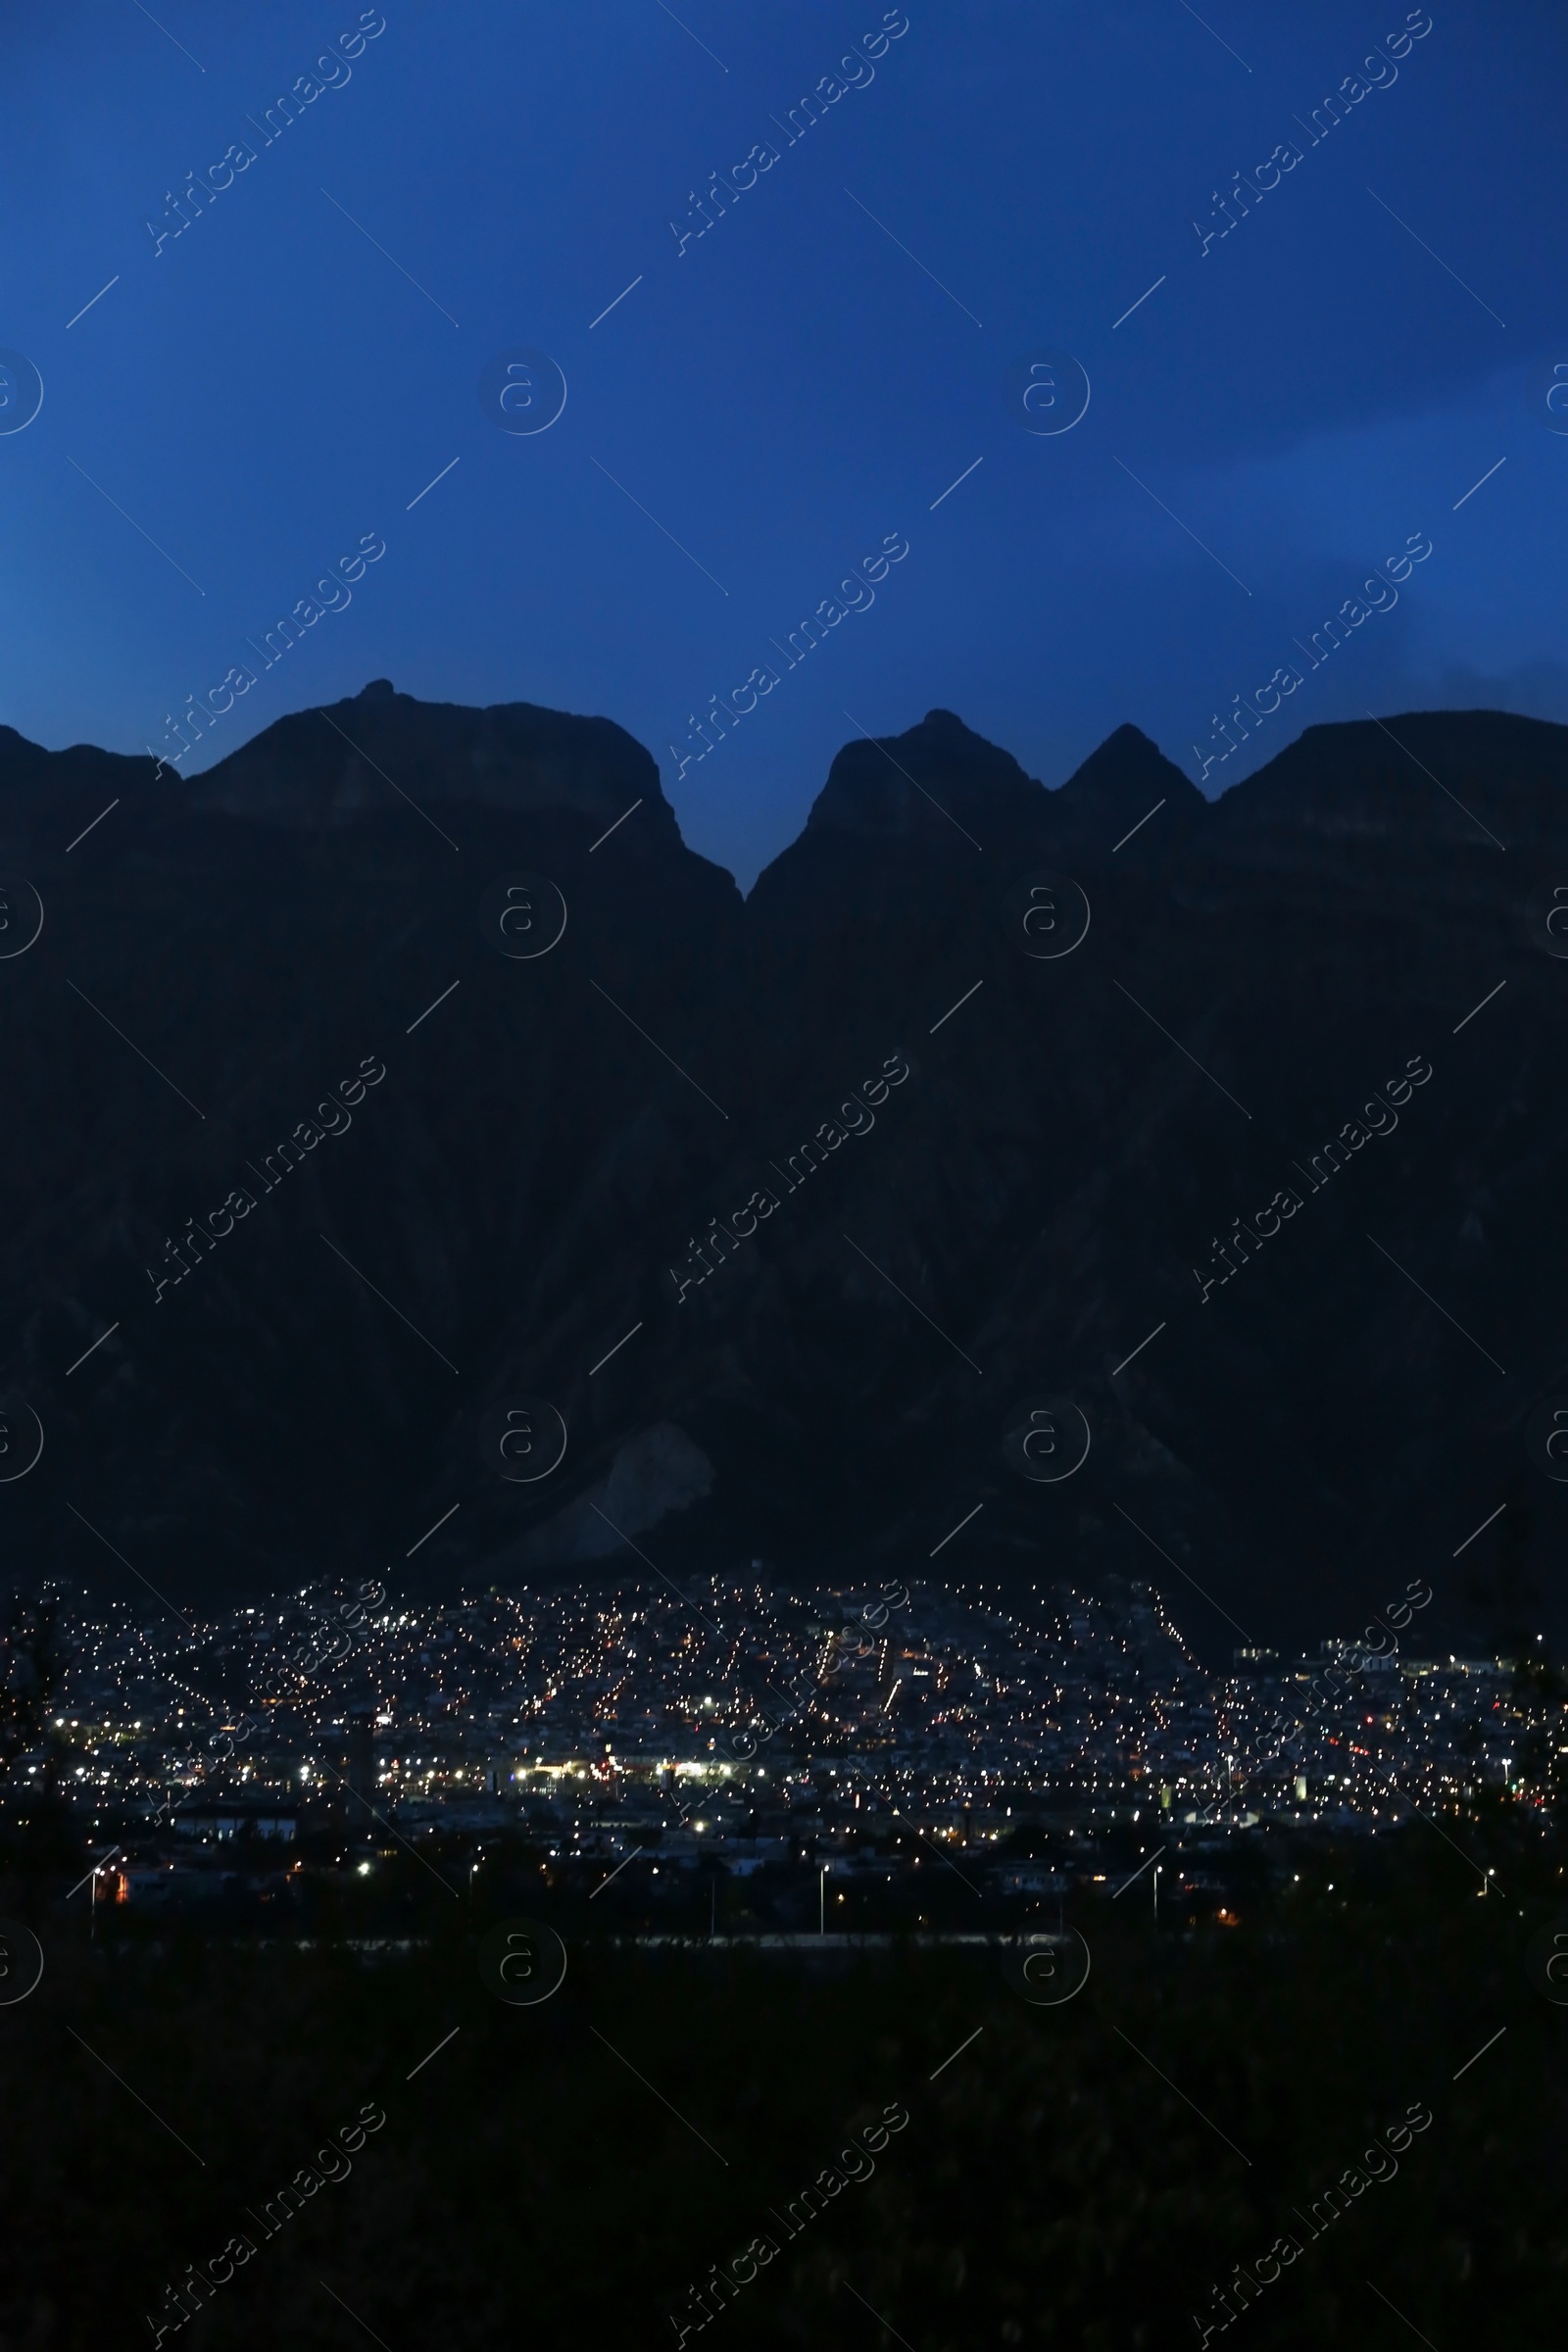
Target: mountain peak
{"x":886,"y":784}
{"x":1126,"y":764}
{"x":327,"y":765}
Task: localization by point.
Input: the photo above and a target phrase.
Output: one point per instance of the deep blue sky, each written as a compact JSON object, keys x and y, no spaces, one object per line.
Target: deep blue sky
{"x":786,"y":391}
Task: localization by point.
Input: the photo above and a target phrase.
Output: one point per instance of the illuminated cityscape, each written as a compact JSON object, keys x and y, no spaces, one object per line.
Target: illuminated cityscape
{"x":741,"y":1724}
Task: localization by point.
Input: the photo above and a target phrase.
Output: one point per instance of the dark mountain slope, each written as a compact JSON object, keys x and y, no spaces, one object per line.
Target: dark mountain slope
{"x":563,"y":1151}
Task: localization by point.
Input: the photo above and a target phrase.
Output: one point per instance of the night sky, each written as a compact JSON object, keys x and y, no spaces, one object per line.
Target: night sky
{"x":806,"y":360}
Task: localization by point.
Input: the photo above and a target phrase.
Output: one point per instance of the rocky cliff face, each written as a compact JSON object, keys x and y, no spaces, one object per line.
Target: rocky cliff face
{"x":983,"y":1086}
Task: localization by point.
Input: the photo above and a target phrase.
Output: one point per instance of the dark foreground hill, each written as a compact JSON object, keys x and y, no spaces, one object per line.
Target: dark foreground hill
{"x":866,"y":1165}
{"x":1103,"y":2173}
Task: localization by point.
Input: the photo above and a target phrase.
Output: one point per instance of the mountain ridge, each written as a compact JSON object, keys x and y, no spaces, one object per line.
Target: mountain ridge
{"x":562,"y":1143}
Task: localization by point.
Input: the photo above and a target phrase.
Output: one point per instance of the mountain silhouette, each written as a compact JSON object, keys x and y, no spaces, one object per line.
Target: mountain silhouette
{"x":986,"y":1094}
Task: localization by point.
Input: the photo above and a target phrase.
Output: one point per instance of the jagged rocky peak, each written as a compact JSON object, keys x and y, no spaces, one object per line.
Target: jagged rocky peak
{"x":1127,"y":768}
{"x":881,"y":785}
{"x":1127,"y":800}
{"x":329,"y":765}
